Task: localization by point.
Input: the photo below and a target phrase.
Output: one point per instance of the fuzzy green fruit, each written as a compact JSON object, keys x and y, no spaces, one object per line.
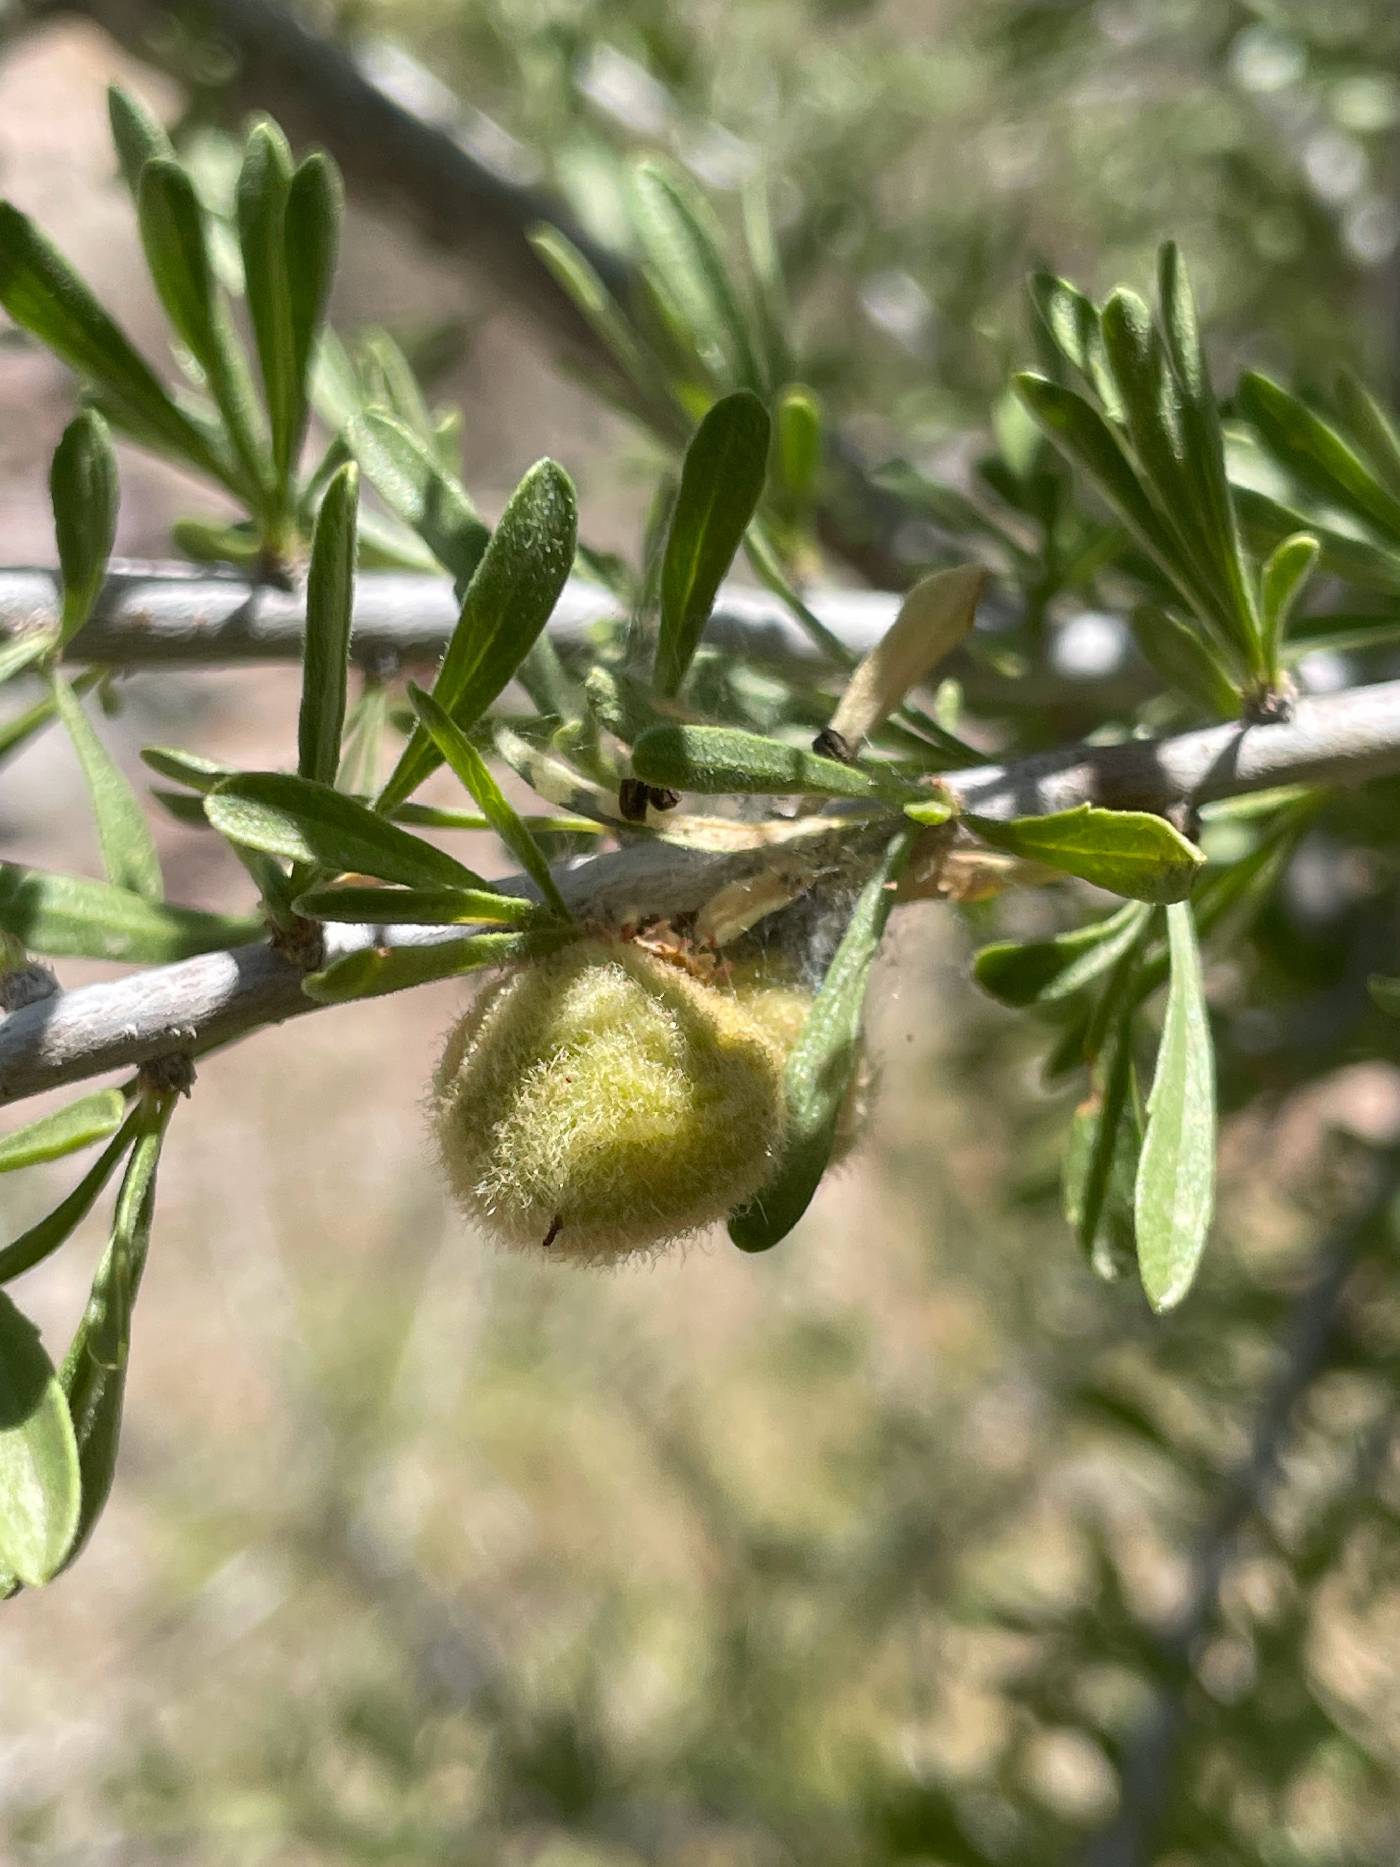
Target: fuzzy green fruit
{"x":605,"y":1102}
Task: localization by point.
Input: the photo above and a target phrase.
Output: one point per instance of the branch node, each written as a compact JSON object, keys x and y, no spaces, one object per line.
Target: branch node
{"x":170,"y":1075}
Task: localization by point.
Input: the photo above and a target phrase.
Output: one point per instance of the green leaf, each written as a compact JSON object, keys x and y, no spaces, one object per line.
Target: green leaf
{"x":315,"y":206}
{"x":264,"y":183}
{"x":308,"y":822}
{"x":821,"y":1064}
{"x":1040,"y":971}
{"x":22,"y":651}
{"x":1176,"y":1175}
{"x":1154,"y":411}
{"x":46,"y":1235}
{"x":1288,"y":569}
{"x":175,"y":237}
{"x":40,"y":1484}
{"x":721,"y":484}
{"x":187,"y":768}
{"x":1315,"y":454}
{"x":719,"y":760}
{"x":1207,"y":482}
{"x":139,"y":137}
{"x":1074,"y":326}
{"x":681,"y":241}
{"x":1086,"y":440}
{"x":427,"y":907}
{"x":508,"y":602}
{"x":83,"y":486}
{"x":799,"y":441}
{"x":1185,"y":659}
{"x":604,"y":316}
{"x":94,"y":1369}
{"x":373,"y":972}
{"x":69,"y":917}
{"x":413,"y":483}
{"x":1386,"y":993}
{"x":89,"y":1119}
{"x":391,"y":385}
{"x":128,"y":849}
{"x":474,"y":773}
{"x":1101,"y":1161}
{"x":44,"y":296}
{"x":330,"y":594}
{"x":1130,"y":852}
{"x":1372,"y":428}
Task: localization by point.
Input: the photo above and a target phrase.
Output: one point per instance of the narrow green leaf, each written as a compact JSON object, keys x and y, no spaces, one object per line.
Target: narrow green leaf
{"x":473,"y":772}
{"x":799,"y":440}
{"x":128,"y":849}
{"x":1102,"y":1160}
{"x":22,"y":651}
{"x":820,"y":1065}
{"x":1288,"y":569}
{"x":309,"y":822}
{"x":40,"y":1484}
{"x":1364,"y":561}
{"x":315,"y":206}
{"x":721,"y":484}
{"x":1372,"y":428}
{"x":1074,"y":326}
{"x":1176,"y":1175}
{"x":1154,"y":410}
{"x":55,"y":1228}
{"x":372,"y":972}
{"x":45,"y":296}
{"x":1086,"y":440}
{"x":330,"y":593}
{"x":94,"y":1369}
{"x":391,"y":385}
{"x":83,"y":486}
{"x":187,"y":768}
{"x":1040,"y":971}
{"x":508,"y":602}
{"x":1315,"y":454}
{"x":264,"y":183}
{"x":413,"y":483}
{"x":426,"y":907}
{"x":682,"y":244}
{"x":1386,"y":993}
{"x":139,"y":137}
{"x":604,"y":315}
{"x":1208,"y":483}
{"x":718,"y":760}
{"x":175,"y":237}
{"x":69,"y":917}
{"x":89,"y":1119}
{"x":1130,"y":852}
{"x":1186,"y":659}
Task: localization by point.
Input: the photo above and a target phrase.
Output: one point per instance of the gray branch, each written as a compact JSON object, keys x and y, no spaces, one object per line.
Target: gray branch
{"x":169,"y":613}
{"x":199,"y":1003}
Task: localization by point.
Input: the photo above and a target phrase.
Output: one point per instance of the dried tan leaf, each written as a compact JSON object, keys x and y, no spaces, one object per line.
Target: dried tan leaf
{"x":934,"y":617}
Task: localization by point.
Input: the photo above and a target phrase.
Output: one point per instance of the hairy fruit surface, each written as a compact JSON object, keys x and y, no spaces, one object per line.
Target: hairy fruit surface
{"x":605,"y":1102}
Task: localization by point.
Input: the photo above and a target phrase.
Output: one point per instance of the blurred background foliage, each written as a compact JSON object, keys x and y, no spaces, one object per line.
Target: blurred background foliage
{"x":913,"y":1541}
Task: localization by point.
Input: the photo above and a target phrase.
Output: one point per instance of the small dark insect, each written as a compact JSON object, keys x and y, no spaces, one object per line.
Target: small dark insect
{"x":555,"y":1227}
{"x":831,"y":744}
{"x":633,"y":797}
